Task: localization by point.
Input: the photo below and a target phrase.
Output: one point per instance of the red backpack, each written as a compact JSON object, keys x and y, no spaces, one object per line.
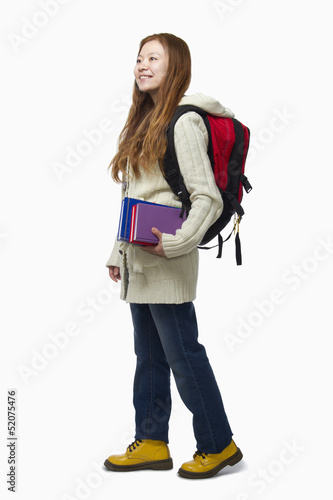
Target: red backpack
{"x":227,"y":151}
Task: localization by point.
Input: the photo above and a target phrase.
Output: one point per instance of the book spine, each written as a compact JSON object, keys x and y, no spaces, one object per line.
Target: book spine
{"x":121,"y":227}
{"x":131,"y":237}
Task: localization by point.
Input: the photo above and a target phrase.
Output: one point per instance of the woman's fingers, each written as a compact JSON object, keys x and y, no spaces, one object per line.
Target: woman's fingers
{"x":114,"y":273}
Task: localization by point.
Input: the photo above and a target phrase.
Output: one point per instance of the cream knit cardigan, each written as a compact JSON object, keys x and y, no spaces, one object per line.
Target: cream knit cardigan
{"x":147,"y":278}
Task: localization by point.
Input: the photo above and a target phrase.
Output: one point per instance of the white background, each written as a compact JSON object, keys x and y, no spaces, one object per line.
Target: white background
{"x":65,"y":72}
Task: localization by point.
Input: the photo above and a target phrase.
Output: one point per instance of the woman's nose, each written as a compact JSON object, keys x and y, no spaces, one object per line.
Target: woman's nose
{"x":142,"y":65}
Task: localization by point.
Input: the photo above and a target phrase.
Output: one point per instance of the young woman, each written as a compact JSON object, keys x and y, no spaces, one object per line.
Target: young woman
{"x":159,"y":282}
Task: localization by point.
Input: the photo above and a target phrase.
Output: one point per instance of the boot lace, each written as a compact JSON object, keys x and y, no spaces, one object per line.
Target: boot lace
{"x":132,"y":446}
{"x":200,"y":454}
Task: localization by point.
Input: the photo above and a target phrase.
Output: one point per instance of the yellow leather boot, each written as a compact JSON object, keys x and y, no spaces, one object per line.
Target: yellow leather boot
{"x":207,"y":465}
{"x":142,"y":454}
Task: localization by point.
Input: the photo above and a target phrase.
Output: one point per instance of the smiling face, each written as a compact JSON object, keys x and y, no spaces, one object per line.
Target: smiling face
{"x":151,"y":68}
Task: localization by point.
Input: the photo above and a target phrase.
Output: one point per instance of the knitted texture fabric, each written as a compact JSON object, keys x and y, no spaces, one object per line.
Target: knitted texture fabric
{"x":148,"y":278}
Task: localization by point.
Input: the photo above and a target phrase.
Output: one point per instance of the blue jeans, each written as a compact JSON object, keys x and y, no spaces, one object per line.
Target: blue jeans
{"x":166,"y":336}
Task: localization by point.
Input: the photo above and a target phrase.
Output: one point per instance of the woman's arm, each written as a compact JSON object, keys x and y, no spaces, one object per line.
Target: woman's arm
{"x":191,"y":142}
{"x":114,"y":259}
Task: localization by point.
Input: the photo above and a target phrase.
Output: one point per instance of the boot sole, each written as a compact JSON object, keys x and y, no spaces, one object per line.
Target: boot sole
{"x":156,"y":465}
{"x":233,"y":460}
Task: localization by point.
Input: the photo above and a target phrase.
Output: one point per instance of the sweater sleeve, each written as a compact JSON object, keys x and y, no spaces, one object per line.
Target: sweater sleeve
{"x":191,"y":143}
{"x":114,"y":259}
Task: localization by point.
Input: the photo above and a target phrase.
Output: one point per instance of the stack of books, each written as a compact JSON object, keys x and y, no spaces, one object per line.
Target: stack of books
{"x":138,"y":217}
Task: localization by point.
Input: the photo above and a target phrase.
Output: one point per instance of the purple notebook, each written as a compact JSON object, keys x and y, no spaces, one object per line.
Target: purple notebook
{"x":166,"y":219}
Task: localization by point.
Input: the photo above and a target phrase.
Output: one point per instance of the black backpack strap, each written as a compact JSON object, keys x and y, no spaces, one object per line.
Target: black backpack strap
{"x":220,"y":244}
{"x":246,"y":184}
{"x":171,"y":168}
{"x":234,"y":203}
{"x":237,"y":242}
{"x":238,"y":250}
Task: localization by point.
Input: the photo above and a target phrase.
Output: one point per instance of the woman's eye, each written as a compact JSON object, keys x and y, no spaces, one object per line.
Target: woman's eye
{"x":138,"y":61}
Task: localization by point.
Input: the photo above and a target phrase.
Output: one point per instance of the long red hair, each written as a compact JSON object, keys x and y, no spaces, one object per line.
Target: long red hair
{"x":143,"y":141}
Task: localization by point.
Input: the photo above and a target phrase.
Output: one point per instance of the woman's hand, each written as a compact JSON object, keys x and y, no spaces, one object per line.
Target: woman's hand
{"x":156,"y":249}
{"x":114,"y":273}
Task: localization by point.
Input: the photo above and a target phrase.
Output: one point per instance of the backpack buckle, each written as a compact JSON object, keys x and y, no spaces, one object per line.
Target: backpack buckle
{"x":237,"y":219}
